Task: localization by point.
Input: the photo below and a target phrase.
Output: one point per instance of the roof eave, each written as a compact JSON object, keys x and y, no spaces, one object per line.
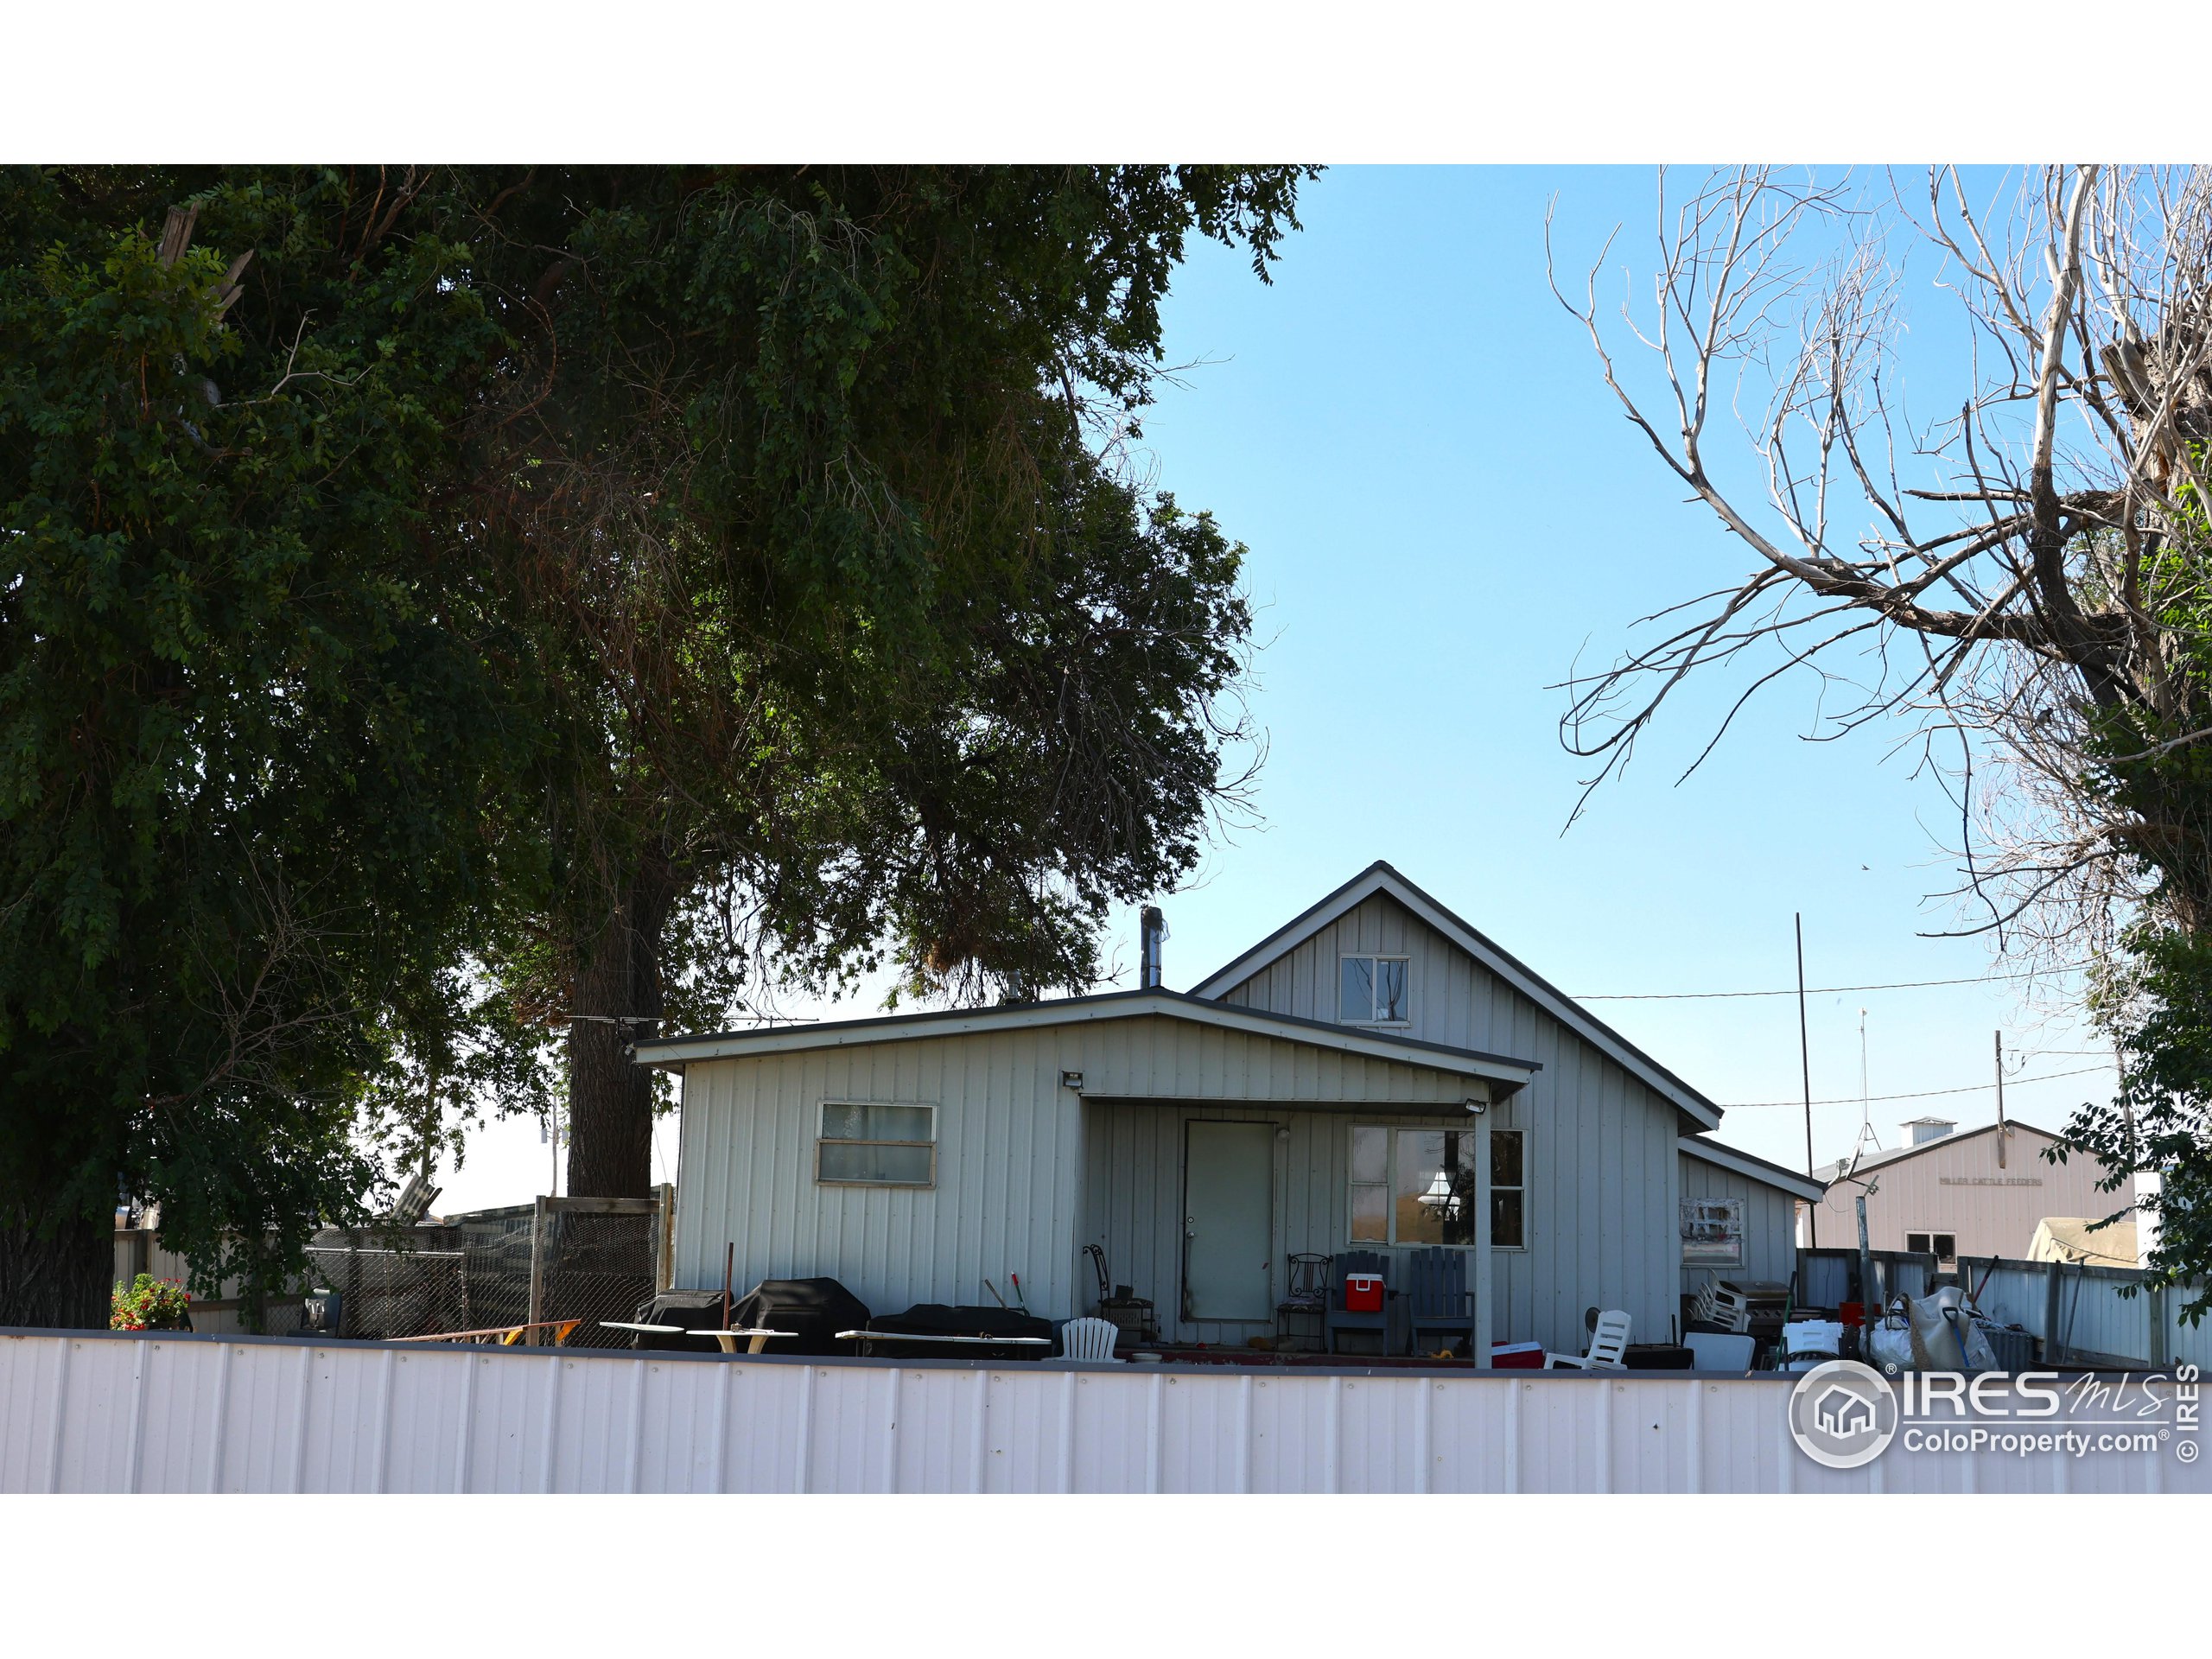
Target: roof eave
{"x":1501,"y":1075}
{"x":1756,"y":1169}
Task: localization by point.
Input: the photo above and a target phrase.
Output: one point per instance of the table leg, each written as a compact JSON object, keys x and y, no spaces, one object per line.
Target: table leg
{"x":756,"y":1345}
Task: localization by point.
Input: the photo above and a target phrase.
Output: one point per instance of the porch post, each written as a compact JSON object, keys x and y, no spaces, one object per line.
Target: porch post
{"x":1479,"y":1117}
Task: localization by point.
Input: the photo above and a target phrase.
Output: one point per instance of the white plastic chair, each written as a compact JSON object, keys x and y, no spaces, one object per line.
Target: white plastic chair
{"x":1608,"y":1344}
{"x":1087,"y":1338}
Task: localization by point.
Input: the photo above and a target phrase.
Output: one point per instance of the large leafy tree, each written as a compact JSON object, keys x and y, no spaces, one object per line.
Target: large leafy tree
{"x":861,"y":641}
{"x":447,"y":606}
{"x":248,"y":731}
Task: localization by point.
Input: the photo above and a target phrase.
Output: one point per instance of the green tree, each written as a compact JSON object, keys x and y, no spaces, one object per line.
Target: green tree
{"x":247,"y":736}
{"x":860,"y":642}
{"x":444,"y":607}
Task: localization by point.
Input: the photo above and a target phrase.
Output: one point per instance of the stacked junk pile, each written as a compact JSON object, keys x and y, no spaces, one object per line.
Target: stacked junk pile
{"x":1760,"y":1325}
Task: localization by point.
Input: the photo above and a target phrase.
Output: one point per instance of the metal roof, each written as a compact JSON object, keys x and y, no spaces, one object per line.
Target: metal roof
{"x":1380,"y":877}
{"x":1831,"y":1173}
{"x":1757,"y":1169}
{"x":1110,"y":1005}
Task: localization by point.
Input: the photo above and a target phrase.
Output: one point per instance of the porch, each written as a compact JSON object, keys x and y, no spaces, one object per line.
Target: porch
{"x":1200,"y":1207}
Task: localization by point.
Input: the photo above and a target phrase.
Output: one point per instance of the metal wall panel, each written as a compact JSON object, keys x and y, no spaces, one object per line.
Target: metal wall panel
{"x":100,"y":1413}
{"x":1602,"y":1162}
{"x":1770,"y":1224}
{"x":2094,"y":1315}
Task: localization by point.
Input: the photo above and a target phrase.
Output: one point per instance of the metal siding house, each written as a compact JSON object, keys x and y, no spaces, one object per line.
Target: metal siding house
{"x":1021,"y":1101}
{"x":1986,"y":1195}
{"x":1114,"y":1121}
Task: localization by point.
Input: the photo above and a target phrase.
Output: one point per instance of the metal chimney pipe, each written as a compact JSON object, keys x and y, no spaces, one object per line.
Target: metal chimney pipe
{"x":1151,"y":929}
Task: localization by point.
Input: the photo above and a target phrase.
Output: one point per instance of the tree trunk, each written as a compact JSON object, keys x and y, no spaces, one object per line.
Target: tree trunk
{"x":59,"y":1276}
{"x":618,"y":1002}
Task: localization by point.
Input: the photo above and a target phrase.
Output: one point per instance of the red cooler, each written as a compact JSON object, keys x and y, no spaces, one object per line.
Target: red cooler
{"x":1363,"y":1292}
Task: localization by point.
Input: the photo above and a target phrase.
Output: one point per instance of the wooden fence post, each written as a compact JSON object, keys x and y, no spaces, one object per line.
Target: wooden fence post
{"x":665,"y":1239}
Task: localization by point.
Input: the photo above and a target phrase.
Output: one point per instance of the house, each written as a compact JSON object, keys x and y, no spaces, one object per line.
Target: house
{"x":1956,"y":1195}
{"x":1375,"y":1074}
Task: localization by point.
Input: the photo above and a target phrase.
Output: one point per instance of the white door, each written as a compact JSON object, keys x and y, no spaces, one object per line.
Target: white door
{"x":1228,"y":1221}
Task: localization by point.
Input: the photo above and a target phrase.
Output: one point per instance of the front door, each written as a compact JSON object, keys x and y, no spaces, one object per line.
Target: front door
{"x":1228,"y":1221}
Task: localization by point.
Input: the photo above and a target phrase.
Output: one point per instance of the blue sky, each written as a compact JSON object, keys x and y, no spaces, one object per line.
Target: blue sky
{"x":1443,"y":505}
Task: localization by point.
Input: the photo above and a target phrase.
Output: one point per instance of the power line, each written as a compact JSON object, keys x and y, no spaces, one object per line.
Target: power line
{"x":1817,"y":990}
{"x":1921,"y":1094}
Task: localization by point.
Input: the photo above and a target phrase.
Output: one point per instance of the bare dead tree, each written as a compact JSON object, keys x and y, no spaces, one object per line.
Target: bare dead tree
{"x":2021,"y":580}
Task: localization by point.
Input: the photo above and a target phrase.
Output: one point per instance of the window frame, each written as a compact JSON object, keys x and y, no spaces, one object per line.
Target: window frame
{"x":1343,"y":956}
{"x":1935,"y":1247}
{"x":821,"y":1140}
{"x":1389,"y":1187}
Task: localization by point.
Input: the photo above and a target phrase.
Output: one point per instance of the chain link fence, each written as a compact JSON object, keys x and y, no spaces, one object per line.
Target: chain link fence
{"x":596,"y":1266}
{"x":558,"y":1259}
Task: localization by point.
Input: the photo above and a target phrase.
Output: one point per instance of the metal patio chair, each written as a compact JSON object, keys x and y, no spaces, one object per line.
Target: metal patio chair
{"x":1305,"y":1297}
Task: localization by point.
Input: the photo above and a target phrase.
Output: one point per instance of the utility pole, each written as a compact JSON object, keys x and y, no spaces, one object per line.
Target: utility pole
{"x":1870,"y":1300}
{"x":1805,"y":1064}
{"x":2001,"y":1130}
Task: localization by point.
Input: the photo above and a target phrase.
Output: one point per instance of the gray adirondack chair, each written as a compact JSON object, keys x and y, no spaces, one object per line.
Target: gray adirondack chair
{"x":1438,"y":1302}
{"x":1341,"y":1319}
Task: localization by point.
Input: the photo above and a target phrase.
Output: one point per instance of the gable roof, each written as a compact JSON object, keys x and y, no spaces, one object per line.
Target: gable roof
{"x":1831,"y":1173}
{"x":1757,"y":1169}
{"x":1504,"y":1074}
{"x":1380,"y":878}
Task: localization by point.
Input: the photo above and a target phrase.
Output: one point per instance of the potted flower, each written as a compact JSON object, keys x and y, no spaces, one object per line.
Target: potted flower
{"x":150,"y":1304}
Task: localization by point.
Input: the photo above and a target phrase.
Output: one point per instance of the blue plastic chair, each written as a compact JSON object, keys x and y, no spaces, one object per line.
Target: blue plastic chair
{"x":1343,"y":1318}
{"x":1439,"y":1303}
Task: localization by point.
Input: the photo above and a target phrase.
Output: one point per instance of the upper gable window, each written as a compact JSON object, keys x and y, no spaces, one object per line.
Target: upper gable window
{"x":1372,"y":991}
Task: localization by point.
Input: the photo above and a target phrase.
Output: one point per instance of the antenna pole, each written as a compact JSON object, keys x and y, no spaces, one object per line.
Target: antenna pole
{"x":1999,"y":1036}
{"x":1805,"y":1062}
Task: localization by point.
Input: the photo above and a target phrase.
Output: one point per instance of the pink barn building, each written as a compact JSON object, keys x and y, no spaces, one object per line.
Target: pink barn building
{"x":1980,"y":1193}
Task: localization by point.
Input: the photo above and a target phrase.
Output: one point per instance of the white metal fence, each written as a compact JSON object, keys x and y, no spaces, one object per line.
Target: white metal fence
{"x":91,"y":1412}
{"x":2081,"y":1311}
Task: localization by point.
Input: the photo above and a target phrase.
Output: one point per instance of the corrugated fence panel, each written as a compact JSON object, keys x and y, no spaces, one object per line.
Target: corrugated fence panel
{"x":2096,"y":1315}
{"x":185,"y":1414}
